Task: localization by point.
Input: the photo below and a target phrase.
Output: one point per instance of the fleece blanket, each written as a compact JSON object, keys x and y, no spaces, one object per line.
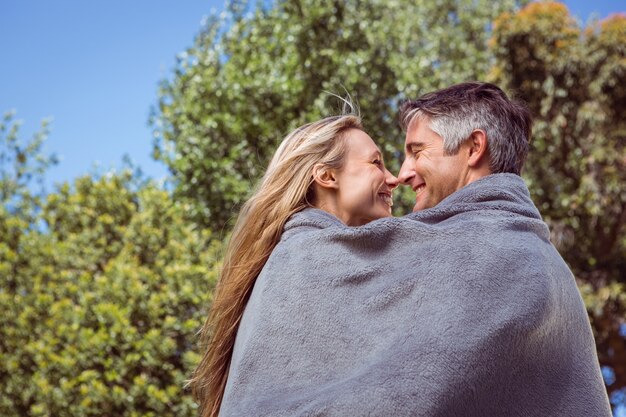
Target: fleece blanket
{"x":465,"y":309}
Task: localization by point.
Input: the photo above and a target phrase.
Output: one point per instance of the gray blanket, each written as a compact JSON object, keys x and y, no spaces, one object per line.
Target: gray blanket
{"x":465,"y":309}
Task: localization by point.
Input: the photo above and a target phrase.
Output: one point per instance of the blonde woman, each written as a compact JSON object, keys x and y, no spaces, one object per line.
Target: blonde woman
{"x":331,"y":166}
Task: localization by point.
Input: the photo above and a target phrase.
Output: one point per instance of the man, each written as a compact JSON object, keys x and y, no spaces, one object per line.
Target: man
{"x":462,"y":308}
{"x":466,"y":132}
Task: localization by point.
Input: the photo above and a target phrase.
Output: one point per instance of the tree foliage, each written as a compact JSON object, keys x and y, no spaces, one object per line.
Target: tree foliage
{"x":251,"y":78}
{"x":99,"y":307}
{"x":574,"y":80}
{"x":22,"y":166}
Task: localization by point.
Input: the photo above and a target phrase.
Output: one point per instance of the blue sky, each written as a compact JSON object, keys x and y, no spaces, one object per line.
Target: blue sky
{"x":95,"y":66}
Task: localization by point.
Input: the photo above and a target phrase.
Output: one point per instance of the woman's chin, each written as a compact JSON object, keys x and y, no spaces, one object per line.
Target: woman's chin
{"x":381,"y":215}
{"x":363,"y":218}
{"x":387,"y":212}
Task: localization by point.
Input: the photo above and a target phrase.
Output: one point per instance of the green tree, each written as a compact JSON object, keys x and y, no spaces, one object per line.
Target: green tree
{"x":99,"y":307}
{"x":22,"y":166}
{"x":574,"y":80}
{"x":251,"y":78}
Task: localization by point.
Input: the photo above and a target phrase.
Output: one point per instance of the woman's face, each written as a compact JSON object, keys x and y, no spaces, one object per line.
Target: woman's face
{"x":364,"y":185}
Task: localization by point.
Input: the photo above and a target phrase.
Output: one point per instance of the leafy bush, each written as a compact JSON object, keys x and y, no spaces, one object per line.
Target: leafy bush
{"x":99,"y":306}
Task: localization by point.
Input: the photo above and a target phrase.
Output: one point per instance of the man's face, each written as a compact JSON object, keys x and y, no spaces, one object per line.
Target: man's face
{"x":430,"y":173}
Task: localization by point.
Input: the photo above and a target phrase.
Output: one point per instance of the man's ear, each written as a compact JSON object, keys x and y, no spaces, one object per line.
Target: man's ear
{"x":477,"y":148}
{"x":324,"y":176}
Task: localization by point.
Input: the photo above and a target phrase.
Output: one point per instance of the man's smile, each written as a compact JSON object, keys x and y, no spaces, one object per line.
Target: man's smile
{"x":418,"y":189}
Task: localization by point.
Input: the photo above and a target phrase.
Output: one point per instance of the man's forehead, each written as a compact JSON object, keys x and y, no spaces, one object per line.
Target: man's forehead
{"x":420,"y":134}
{"x":418,"y":119}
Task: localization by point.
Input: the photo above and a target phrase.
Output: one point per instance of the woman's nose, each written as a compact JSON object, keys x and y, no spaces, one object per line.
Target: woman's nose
{"x":391,"y":180}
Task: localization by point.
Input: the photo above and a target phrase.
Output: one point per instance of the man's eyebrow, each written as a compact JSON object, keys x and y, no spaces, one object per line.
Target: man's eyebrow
{"x":415,"y":144}
{"x":376,"y":154}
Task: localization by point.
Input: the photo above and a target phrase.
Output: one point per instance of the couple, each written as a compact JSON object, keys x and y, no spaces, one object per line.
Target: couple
{"x":462,"y":308}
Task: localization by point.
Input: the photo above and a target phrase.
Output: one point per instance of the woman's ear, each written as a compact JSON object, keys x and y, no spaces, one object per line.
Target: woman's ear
{"x":478,"y":151}
{"x":324,"y":176}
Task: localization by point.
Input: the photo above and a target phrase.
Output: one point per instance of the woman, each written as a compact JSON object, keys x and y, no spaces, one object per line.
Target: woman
{"x":332,"y":165}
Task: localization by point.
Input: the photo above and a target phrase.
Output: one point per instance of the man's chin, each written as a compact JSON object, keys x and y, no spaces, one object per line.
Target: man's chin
{"x":422,"y":205}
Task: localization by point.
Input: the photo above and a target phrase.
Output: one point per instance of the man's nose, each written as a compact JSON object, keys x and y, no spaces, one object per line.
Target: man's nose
{"x":406,"y":173}
{"x":391,"y":180}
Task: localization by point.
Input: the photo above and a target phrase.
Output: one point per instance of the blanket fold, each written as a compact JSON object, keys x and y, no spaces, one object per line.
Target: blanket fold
{"x":465,"y":309}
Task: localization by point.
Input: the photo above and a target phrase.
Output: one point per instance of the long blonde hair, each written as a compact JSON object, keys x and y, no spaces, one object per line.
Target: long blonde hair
{"x":285,"y":189}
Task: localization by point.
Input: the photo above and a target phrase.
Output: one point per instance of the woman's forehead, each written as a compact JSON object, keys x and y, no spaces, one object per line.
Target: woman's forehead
{"x":360,"y":144}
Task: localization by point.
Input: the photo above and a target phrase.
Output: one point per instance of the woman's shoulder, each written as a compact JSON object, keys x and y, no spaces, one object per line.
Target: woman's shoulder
{"x":309,"y":220}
